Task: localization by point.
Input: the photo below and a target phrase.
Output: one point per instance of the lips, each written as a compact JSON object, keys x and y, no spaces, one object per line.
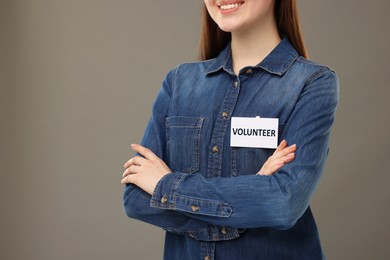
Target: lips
{"x":230,"y":5}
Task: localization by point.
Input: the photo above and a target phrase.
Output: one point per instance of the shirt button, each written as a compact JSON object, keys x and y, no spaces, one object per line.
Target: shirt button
{"x":164,"y":199}
{"x":224,"y":114}
{"x":207,"y":257}
{"x":195,"y":208}
{"x":235,"y":84}
{"x":248,"y":71}
{"x":215,"y":149}
{"x":223,"y":230}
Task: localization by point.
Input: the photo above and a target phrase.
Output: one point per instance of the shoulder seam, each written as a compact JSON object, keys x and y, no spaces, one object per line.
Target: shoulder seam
{"x":318,"y":73}
{"x":309,"y":62}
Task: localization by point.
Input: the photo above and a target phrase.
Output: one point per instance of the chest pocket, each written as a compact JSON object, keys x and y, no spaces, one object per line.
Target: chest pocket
{"x":183,"y":142}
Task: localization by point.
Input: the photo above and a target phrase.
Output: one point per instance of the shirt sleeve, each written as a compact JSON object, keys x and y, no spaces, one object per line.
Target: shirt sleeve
{"x":137,"y":203}
{"x":278,"y":200}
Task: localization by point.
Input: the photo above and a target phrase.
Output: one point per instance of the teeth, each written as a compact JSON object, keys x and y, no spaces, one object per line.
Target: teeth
{"x":229,"y":6}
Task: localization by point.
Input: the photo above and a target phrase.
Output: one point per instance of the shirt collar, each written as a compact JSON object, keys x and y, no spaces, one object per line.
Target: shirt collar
{"x":277,"y":62}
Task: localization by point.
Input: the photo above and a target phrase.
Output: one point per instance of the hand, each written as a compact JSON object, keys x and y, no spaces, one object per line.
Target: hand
{"x":146,"y":171}
{"x":280,"y":157}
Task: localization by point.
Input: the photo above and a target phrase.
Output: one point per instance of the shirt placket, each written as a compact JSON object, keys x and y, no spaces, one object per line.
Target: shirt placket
{"x":207,"y":251}
{"x":220,"y":128}
{"x":215,"y":157}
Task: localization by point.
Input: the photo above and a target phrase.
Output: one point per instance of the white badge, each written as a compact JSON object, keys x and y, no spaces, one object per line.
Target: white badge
{"x":254,"y":132}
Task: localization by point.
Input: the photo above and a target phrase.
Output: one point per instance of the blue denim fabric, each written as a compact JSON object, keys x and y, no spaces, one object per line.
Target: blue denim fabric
{"x":212,"y":204}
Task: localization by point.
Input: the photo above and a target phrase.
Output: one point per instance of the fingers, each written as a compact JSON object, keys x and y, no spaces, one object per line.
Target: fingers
{"x":136,"y":160}
{"x":283,"y":154}
{"x":288,"y":150}
{"x":288,"y":158}
{"x":283,"y":150}
{"x":282,"y":145}
{"x":270,"y":167}
{"x":274,"y":168}
{"x":280,"y":162}
{"x":145,"y":152}
{"x":132,"y":166}
{"x":131,"y":178}
{"x":132,"y":169}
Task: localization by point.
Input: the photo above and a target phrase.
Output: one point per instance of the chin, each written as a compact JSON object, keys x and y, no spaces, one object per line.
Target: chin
{"x":227,"y":28}
{"x":230,"y":25}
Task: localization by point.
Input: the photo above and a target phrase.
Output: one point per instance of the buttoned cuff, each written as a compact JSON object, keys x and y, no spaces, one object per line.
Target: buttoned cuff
{"x":167,"y":195}
{"x":215,"y":233}
{"x":164,"y":194}
{"x":209,"y":233}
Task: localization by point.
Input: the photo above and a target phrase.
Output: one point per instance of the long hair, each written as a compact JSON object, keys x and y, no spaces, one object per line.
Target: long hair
{"x":213,"y":40}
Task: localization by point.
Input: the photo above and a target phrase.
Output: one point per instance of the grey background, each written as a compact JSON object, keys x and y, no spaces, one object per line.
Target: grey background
{"x":78,"y":78}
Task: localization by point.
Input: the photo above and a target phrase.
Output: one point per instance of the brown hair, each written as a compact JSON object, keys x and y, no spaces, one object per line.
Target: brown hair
{"x":213,"y":39}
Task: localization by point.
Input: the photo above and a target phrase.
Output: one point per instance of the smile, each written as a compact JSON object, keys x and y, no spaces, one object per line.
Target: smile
{"x":229,"y":6}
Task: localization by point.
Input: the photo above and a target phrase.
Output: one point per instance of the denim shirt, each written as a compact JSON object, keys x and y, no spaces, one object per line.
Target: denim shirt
{"x":213,"y":205}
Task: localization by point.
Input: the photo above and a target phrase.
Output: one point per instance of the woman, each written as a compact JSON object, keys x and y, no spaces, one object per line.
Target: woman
{"x":204,"y":191}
